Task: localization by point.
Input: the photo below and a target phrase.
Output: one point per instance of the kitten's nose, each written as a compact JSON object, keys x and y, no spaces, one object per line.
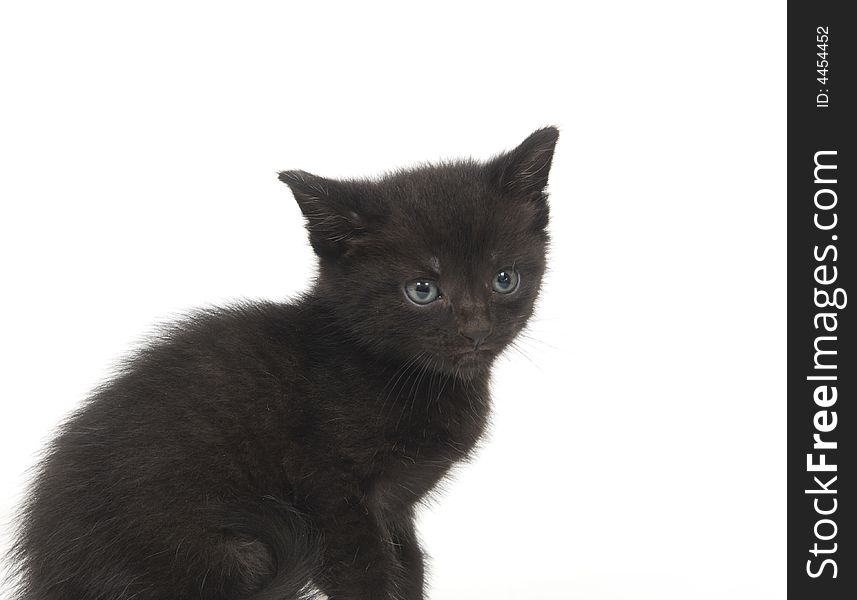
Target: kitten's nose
{"x":477,"y":336}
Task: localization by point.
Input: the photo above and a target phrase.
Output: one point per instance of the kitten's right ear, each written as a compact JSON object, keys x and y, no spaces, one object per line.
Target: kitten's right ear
{"x":524,"y":170}
{"x":331,"y":210}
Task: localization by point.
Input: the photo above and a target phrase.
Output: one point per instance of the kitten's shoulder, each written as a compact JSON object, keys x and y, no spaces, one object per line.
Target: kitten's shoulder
{"x":226,"y":333}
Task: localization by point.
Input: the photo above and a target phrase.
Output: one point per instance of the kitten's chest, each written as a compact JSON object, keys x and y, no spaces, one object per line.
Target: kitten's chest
{"x":406,"y":475}
{"x":420,"y":451}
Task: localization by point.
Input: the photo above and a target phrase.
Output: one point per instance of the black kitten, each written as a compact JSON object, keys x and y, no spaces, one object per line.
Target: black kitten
{"x":266,"y":450}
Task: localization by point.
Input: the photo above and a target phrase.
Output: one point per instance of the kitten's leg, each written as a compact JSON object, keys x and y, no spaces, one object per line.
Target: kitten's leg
{"x":238,"y":565}
{"x":411,"y":558}
{"x":361,"y":562}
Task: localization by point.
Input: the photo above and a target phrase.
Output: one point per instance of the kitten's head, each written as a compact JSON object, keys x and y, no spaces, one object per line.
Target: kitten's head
{"x":442,"y":262}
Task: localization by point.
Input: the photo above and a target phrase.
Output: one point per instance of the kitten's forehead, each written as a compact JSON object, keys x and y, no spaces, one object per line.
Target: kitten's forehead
{"x":452,"y":219}
{"x":465,"y":246}
{"x":451,"y":205}
{"x":446,"y":237}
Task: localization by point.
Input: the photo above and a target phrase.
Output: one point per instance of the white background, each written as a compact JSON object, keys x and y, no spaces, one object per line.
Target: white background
{"x":640,"y":452}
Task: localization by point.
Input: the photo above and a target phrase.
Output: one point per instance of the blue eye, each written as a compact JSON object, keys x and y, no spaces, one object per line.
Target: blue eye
{"x":506,"y":281}
{"x":422,"y":291}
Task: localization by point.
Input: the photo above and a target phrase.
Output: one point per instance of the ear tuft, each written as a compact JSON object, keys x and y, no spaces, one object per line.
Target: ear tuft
{"x":330,"y":209}
{"x":524,"y":171}
{"x":306,"y":187}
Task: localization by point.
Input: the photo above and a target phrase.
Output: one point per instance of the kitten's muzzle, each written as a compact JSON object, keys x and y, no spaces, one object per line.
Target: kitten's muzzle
{"x":476,"y":336}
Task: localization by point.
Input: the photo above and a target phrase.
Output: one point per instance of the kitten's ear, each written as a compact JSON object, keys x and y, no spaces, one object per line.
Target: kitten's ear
{"x":524,"y":170}
{"x":332,"y":210}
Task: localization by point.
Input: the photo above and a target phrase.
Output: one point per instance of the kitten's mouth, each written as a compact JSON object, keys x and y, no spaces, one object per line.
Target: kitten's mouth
{"x":474,"y":352}
{"x":473,"y":358}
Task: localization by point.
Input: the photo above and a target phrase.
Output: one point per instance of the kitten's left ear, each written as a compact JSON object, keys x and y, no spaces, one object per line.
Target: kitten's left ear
{"x":334,"y":210}
{"x":524,"y":171}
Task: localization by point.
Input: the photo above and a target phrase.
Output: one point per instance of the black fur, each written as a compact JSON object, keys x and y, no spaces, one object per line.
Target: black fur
{"x":263,"y":449}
